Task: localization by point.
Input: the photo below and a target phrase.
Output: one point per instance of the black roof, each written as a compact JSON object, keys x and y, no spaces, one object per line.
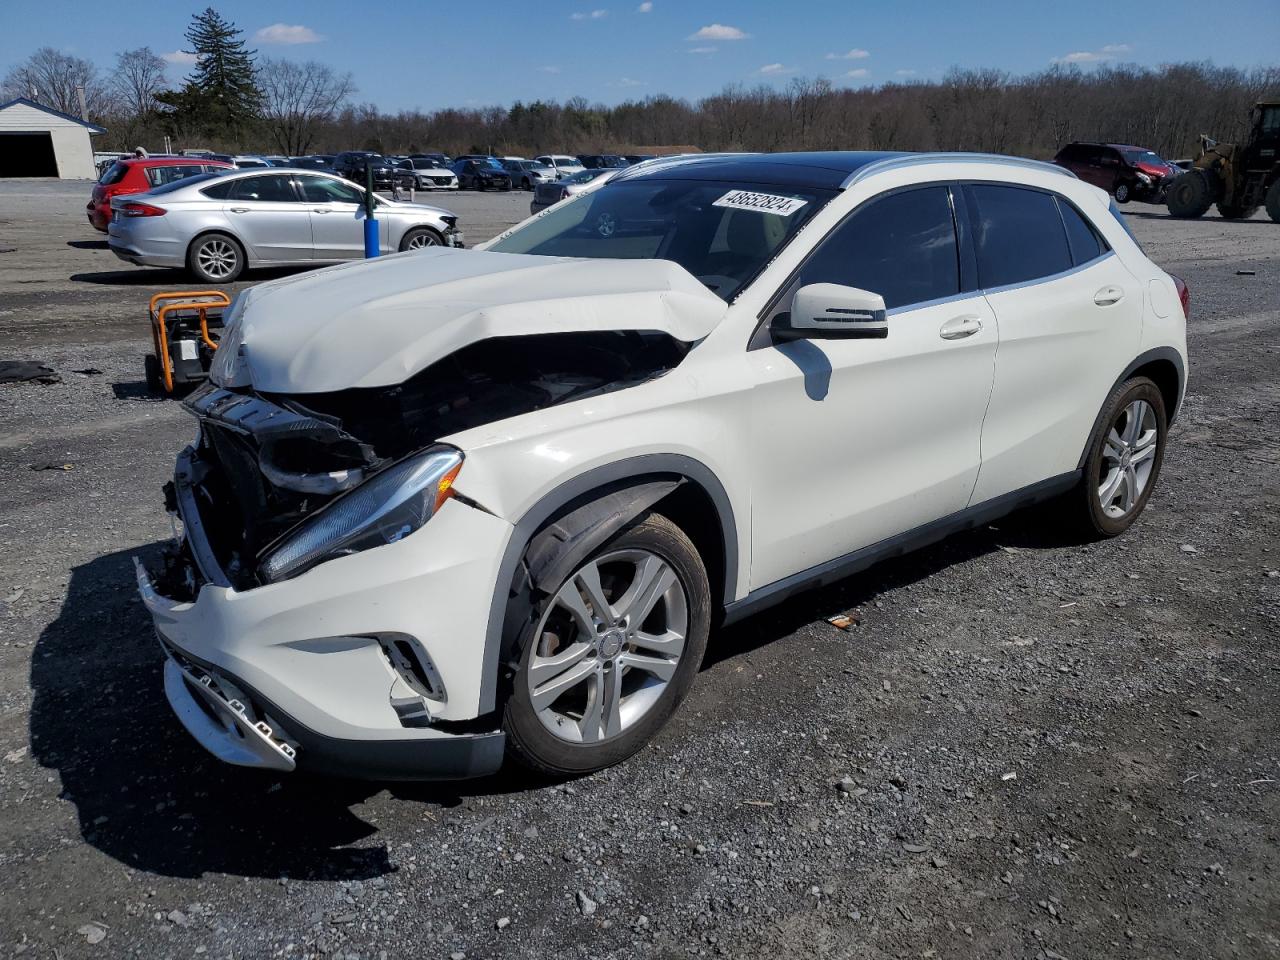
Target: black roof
{"x":816,"y":169}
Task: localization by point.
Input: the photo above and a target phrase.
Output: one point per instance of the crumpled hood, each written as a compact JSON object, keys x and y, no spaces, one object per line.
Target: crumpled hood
{"x":378,"y":322}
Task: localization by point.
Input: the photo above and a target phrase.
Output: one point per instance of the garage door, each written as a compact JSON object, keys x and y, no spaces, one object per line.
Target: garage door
{"x":27,"y":155}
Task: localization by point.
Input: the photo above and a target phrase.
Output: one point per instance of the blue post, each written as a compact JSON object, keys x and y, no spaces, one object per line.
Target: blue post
{"x":370,"y":221}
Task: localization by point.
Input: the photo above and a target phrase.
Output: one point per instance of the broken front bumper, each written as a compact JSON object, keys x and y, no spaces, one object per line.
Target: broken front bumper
{"x":312,"y":671}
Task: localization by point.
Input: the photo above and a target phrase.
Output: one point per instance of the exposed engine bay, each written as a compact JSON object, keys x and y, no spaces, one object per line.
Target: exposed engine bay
{"x":265,"y":462}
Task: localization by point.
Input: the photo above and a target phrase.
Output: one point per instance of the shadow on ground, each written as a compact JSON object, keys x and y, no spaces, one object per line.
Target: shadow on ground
{"x":147,"y":794}
{"x":172,"y":276}
{"x":88,"y":244}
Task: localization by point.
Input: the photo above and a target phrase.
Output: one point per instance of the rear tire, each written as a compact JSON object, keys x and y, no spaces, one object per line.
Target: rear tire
{"x":1232,"y":212}
{"x":1273,"y":202}
{"x":630,"y":659}
{"x":216,"y":258}
{"x":1123,"y":462}
{"x":1192,"y":194}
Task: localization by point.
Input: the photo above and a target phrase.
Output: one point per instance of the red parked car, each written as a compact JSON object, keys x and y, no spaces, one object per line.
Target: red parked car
{"x":1123,"y":170}
{"x":140,"y":174}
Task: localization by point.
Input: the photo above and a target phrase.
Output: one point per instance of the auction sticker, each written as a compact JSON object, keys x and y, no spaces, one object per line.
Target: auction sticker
{"x":763,"y":202}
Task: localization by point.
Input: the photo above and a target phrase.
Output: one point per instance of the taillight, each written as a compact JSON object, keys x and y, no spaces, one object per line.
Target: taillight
{"x":142,"y":210}
{"x":1184,"y":295}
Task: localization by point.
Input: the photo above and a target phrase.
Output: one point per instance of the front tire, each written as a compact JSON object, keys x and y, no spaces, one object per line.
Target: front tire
{"x":605,"y":660}
{"x":1192,"y":194}
{"x":420,"y":237}
{"x":1273,"y":202}
{"x":1123,"y":462}
{"x":216,"y":258}
{"x":1122,"y":193}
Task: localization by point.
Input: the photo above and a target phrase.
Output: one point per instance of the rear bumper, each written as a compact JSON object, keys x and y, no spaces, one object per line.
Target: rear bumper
{"x":130,"y":246}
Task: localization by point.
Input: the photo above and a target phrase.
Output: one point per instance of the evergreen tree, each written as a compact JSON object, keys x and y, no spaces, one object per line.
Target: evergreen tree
{"x":222,"y":87}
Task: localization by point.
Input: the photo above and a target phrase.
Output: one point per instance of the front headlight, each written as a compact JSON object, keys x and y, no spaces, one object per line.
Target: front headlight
{"x":1144,"y":178}
{"x":382,"y":510}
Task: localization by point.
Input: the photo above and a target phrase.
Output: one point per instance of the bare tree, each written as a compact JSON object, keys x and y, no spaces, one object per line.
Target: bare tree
{"x":298,"y":98}
{"x":56,"y":80}
{"x":139,"y":75}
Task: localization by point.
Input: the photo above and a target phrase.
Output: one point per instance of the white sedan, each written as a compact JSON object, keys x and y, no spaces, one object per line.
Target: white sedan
{"x":461,"y":505}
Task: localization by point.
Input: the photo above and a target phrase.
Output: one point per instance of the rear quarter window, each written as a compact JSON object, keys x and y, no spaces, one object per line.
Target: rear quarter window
{"x":114,"y":174}
{"x":1018,"y":234}
{"x":1085,"y":242}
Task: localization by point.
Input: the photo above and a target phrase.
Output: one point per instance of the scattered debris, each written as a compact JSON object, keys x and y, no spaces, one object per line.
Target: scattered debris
{"x":88,"y":372}
{"x":915,"y":848}
{"x":93,"y":932}
{"x":1009,"y":776}
{"x":13,"y":756}
{"x":586,"y":906}
{"x":19,"y":371}
{"x":503,"y":923}
{"x":63,"y":467}
{"x":845,"y":621}
{"x":1246,"y":273}
{"x":758,"y":803}
{"x":1188,"y":548}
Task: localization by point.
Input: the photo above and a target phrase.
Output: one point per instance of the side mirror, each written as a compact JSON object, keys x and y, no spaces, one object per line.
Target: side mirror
{"x":829,"y":311}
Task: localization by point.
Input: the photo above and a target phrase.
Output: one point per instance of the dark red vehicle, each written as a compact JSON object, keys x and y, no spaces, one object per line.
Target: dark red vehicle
{"x":140,"y":174}
{"x":1123,"y":170}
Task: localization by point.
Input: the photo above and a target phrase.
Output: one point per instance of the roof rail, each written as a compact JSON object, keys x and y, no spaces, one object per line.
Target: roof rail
{"x":675,"y":160}
{"x":920,"y":159}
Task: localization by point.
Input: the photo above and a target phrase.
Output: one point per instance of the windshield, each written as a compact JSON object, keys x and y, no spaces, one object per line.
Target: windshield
{"x":1143,"y":156}
{"x":722,"y":233}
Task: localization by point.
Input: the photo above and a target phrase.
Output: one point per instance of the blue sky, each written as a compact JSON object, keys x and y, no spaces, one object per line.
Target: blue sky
{"x":498,"y":51}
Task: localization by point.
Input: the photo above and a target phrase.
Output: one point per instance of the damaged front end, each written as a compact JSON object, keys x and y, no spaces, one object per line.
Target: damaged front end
{"x":275,"y":484}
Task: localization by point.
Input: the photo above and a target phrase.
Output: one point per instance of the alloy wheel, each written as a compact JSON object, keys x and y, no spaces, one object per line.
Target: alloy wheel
{"x":422,"y":240}
{"x":607,"y":646}
{"x":217,"y":258}
{"x":1128,"y":455}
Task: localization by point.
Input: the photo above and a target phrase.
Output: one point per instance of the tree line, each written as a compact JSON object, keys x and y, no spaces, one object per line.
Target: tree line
{"x":237,"y":101}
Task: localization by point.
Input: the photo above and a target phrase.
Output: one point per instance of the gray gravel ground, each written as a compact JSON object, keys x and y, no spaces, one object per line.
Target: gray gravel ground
{"x":1025,"y":748}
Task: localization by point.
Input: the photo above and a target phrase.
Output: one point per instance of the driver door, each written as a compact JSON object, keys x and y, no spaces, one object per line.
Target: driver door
{"x":336,"y":209}
{"x":859,"y":440}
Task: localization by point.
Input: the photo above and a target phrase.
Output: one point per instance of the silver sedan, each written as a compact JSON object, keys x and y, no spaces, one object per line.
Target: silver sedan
{"x":220,"y":224}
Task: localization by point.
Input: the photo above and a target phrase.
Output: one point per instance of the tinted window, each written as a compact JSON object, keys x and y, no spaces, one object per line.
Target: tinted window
{"x":324,"y":190}
{"x":1082,"y":238}
{"x":1017,"y":233}
{"x":274,"y":189}
{"x":159,"y":176}
{"x":115,"y":173}
{"x":184,"y":183}
{"x":902,"y":246}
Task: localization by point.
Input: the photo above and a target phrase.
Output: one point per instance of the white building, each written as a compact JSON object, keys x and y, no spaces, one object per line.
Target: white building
{"x":38,"y":141}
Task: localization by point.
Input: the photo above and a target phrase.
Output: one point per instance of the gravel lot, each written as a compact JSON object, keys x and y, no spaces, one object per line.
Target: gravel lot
{"x":1024,"y":748}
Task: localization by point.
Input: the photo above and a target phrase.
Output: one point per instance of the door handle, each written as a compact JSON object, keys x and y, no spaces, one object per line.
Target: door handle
{"x":320,"y":210}
{"x":957,"y":328}
{"x":239,"y":209}
{"x":1108,"y":295}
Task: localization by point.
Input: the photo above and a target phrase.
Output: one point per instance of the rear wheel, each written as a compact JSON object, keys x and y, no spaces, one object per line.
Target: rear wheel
{"x":215,"y":258}
{"x":1231,"y":211}
{"x":1192,"y":194}
{"x":1123,"y":461}
{"x":1273,"y":201}
{"x":607,"y":659}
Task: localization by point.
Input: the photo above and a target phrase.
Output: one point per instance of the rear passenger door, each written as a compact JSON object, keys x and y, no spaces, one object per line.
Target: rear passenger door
{"x":268,"y":215}
{"x":1069,"y":315}
{"x":858,"y":440}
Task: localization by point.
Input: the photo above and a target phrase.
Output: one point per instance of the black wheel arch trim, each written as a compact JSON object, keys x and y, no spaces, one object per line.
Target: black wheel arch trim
{"x":1158,"y":353}
{"x":642,"y":477}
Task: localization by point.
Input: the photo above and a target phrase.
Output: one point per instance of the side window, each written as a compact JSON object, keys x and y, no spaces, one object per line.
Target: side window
{"x":273,"y":189}
{"x":324,"y":190}
{"x":159,"y":176}
{"x":901,"y":246}
{"x":1017,"y":233}
{"x":219,"y":191}
{"x":1085,"y":242}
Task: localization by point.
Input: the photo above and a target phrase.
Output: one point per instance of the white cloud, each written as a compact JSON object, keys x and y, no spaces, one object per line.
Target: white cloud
{"x":593,"y":15}
{"x":719,"y":31}
{"x":549,"y":69}
{"x":904,"y":73}
{"x":628,"y":82}
{"x":860,"y":72}
{"x":702,"y":49}
{"x":1108,"y":52}
{"x":180,"y":57}
{"x":645,"y":7}
{"x":857,"y":53}
{"x":773,"y":69}
{"x":288,"y":34}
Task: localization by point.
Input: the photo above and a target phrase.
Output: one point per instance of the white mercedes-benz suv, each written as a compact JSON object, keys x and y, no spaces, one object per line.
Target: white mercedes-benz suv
{"x":453,"y":505}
